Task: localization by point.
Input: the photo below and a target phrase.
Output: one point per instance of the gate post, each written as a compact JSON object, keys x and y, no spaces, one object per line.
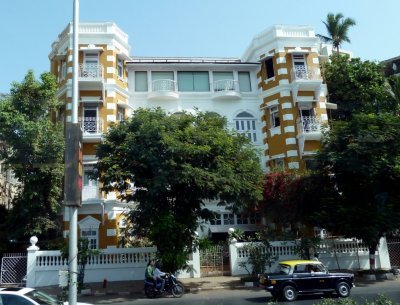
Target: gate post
{"x":383,"y":251}
{"x":233,"y":256}
{"x":31,"y":263}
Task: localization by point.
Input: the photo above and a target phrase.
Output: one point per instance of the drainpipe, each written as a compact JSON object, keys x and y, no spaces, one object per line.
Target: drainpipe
{"x":102,"y":212}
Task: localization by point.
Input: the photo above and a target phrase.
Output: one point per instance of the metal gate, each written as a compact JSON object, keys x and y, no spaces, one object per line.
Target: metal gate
{"x":13,"y":268}
{"x":214,"y":261}
{"x":394,"y":251}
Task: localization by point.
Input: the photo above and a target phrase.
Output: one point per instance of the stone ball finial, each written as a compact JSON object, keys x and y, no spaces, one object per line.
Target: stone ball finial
{"x":33,"y":240}
{"x":231,"y":230}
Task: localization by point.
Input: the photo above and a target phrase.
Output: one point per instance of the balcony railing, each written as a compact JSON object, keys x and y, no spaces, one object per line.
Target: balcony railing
{"x":91,"y":71}
{"x":309,"y":125}
{"x":305,"y":73}
{"x":91,"y":125}
{"x":168,"y":85}
{"x":226,"y":85}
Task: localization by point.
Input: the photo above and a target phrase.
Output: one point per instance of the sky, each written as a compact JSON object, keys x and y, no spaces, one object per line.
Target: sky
{"x":198,"y":28}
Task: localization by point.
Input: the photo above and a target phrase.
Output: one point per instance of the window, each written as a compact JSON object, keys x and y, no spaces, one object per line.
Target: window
{"x":120,"y":114}
{"x":216,"y":220}
{"x":255,"y":218}
{"x":299,"y":66}
{"x":245,"y":123}
{"x":91,"y":235}
{"x":141,"y":81}
{"x":120,"y":67}
{"x":163,"y":81}
{"x":244,"y":82}
{"x":242,"y":219}
{"x":279,"y":164}
{"x":63,"y":69}
{"x":274,"y":117}
{"x":91,"y":68}
{"x":14,"y":299}
{"x":88,"y":179}
{"x":223,"y":81}
{"x":228,"y":219}
{"x":193,"y":81}
{"x":90,"y":124}
{"x":269,"y":67}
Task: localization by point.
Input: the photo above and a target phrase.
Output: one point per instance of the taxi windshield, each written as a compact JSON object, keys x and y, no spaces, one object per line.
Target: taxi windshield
{"x":282,"y":269}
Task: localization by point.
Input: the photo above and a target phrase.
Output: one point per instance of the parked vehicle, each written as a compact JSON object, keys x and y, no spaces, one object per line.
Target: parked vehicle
{"x":23,"y":295}
{"x":294,"y":277}
{"x":171,"y":286}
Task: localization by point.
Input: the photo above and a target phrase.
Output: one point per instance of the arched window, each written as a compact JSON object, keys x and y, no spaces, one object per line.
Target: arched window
{"x":245,"y":123}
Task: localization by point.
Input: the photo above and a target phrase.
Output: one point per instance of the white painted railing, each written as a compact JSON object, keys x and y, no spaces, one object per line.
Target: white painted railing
{"x":91,"y":71}
{"x":305,"y":73}
{"x":91,"y":125}
{"x":226,"y":85}
{"x":309,"y":124}
{"x":168,"y":85}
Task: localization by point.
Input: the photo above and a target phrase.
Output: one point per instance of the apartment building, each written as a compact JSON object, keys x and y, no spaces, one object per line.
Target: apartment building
{"x":103,"y":98}
{"x":274,"y":94}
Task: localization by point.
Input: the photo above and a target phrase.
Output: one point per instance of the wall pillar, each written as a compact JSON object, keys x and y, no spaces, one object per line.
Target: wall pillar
{"x":383,"y":251}
{"x":31,"y":263}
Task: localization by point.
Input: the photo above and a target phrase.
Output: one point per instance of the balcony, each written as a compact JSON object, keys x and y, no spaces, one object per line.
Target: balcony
{"x":306,"y":79}
{"x":91,"y":77}
{"x":225,"y":89}
{"x":163,"y":89}
{"x":90,"y":193}
{"x":92,"y":129}
{"x":309,"y":127}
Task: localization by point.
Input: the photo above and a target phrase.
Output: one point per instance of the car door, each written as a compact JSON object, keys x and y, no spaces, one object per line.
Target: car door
{"x":320,"y":277}
{"x":302,"y":277}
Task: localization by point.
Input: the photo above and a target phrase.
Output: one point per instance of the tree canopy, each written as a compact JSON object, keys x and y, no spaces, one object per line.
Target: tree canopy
{"x":169,"y":166}
{"x":357,"y":187}
{"x":33,"y":148}
{"x":357,"y":86}
{"x":337,"y":27}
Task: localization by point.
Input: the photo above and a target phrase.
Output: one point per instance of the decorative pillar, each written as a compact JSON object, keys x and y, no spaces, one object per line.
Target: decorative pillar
{"x":31,"y":263}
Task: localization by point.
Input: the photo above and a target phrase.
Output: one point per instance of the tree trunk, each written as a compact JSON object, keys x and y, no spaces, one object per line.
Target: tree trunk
{"x":372,"y":257}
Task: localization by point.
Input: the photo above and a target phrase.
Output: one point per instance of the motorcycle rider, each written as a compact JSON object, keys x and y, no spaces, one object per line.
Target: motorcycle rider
{"x":159,"y":275}
{"x":149,"y":274}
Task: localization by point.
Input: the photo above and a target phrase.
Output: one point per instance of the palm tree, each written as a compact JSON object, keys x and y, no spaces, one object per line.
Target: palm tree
{"x":337,"y":28}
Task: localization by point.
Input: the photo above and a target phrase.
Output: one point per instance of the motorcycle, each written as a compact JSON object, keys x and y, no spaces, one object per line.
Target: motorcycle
{"x":171,"y":286}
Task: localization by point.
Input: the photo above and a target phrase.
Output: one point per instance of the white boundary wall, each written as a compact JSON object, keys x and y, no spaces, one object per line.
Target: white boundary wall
{"x":335,"y":254}
{"x":125,"y":264}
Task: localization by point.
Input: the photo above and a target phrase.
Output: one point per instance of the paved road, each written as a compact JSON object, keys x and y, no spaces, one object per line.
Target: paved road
{"x":247,"y":296}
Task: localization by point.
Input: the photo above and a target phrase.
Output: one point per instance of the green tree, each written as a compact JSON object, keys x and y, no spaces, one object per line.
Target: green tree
{"x":170,"y":165}
{"x":357,"y":86}
{"x":359,"y":168}
{"x":33,"y":148}
{"x":337,"y":27}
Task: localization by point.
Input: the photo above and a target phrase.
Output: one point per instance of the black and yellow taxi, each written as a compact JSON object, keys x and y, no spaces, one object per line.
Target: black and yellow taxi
{"x":294,"y":277}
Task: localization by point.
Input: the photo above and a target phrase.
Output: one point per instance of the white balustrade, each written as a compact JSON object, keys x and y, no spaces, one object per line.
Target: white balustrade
{"x":91,"y":71}
{"x":226,"y":85}
{"x":91,"y":125}
{"x":302,"y":73}
{"x":309,"y":124}
{"x":164,"y":85}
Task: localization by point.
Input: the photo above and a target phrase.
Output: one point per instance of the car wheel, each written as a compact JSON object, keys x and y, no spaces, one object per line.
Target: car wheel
{"x":289,"y":293}
{"x":343,"y":289}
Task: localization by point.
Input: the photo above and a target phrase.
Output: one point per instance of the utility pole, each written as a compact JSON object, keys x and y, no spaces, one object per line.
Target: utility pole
{"x":73,"y":166}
